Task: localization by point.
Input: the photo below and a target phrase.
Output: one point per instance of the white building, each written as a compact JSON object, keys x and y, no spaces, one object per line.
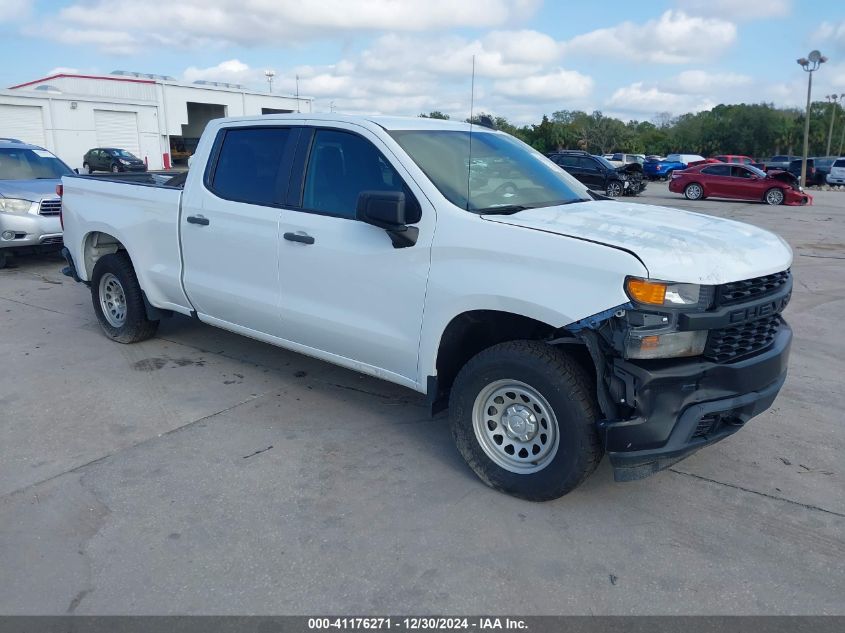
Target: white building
{"x":155,"y":117}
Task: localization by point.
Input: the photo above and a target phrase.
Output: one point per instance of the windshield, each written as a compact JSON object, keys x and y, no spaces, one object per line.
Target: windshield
{"x":505,"y":174}
{"x":30,"y":164}
{"x":122,"y":153}
{"x":756,"y":171}
{"x":606,"y":163}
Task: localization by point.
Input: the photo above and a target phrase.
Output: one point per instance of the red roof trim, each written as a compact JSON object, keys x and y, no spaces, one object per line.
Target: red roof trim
{"x":63,"y":75}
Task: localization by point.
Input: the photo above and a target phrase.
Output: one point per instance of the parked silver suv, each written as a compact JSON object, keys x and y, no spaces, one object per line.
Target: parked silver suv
{"x":29,"y":206}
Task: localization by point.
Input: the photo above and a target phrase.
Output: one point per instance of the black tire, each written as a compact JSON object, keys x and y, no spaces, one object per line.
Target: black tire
{"x":694,"y":191}
{"x":87,"y":168}
{"x":615,"y":188}
{"x":3,"y":258}
{"x":115,"y":169}
{"x":567,"y":389}
{"x":136,"y":326}
{"x":774,"y":196}
{"x":669,"y":174}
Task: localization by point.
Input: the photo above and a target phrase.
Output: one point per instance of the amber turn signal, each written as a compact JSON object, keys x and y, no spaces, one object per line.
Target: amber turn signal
{"x":648,"y":292}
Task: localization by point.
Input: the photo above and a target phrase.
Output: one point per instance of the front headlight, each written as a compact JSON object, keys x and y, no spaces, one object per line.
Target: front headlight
{"x":16,"y":205}
{"x":665,"y":345}
{"x":623,"y":176}
{"x":664,"y":293}
{"x":125,"y":162}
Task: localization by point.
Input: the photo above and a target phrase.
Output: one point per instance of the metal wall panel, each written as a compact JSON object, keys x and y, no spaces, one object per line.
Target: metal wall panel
{"x":25,"y":123}
{"x":117,"y":129}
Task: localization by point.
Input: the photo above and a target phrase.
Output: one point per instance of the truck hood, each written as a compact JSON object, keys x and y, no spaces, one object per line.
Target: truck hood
{"x":673,"y":245}
{"x":29,"y":189}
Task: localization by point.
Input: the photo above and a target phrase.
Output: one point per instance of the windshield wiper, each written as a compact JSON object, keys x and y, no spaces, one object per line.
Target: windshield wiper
{"x":505,"y":209}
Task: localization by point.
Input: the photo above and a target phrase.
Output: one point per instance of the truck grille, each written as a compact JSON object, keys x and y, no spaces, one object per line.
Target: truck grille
{"x":748,"y":289}
{"x":731,"y":343}
{"x":50,"y":207}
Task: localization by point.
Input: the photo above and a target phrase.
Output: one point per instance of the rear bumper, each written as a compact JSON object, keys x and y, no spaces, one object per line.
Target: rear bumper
{"x":683,"y":406}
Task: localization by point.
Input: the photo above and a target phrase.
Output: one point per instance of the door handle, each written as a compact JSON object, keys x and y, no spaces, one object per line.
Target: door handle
{"x":198,"y":219}
{"x":304,"y":238}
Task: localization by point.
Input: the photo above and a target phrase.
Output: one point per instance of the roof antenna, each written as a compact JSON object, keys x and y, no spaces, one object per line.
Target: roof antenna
{"x":471,"y":106}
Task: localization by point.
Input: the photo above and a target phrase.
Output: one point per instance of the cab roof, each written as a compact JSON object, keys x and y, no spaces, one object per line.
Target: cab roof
{"x":384,"y":122}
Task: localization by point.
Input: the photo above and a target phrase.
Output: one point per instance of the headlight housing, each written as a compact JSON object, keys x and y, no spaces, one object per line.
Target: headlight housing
{"x":16,"y":205}
{"x":644,"y":345}
{"x":652,"y":292}
{"x":125,"y":162}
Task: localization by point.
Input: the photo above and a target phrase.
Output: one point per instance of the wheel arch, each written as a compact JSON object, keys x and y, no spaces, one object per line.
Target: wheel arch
{"x":95,"y":245}
{"x":473,"y":331}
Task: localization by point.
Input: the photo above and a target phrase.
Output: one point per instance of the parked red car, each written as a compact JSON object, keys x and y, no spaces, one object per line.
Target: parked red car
{"x":741,"y":182}
{"x":739,"y":159}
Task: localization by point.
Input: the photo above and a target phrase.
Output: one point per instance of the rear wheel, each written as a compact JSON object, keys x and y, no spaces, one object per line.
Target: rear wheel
{"x":614,"y":189}
{"x":693,"y":191}
{"x":118,"y":301}
{"x":669,"y":174}
{"x":87,"y":168}
{"x":774,"y":196}
{"x":523,"y":417}
{"x":115,"y":169}
{"x":3,"y":258}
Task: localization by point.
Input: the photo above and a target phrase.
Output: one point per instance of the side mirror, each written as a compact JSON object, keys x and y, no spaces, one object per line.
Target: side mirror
{"x":386,"y":210}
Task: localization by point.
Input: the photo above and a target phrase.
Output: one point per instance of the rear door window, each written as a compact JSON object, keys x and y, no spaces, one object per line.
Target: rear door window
{"x":249,"y":163}
{"x":839,"y":163}
{"x":717,"y":170}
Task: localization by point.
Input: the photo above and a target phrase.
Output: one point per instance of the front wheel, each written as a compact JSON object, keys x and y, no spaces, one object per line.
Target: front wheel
{"x":524,"y":419}
{"x":774,"y":196}
{"x":614,"y":189}
{"x":118,"y":301}
{"x":87,"y":168}
{"x":115,"y":169}
{"x":3,"y":258}
{"x":669,"y":174}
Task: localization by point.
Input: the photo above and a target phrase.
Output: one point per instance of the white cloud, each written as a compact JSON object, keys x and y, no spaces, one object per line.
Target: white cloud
{"x":673,"y":38}
{"x":737,"y":9}
{"x":557,"y":85}
{"x":14,"y":10}
{"x":641,"y":99}
{"x":702,"y":82}
{"x":831,"y":32}
{"x":62,"y":70}
{"x":190,"y":23}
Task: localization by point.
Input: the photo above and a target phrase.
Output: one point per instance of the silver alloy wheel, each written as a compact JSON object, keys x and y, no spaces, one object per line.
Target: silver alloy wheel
{"x":115,"y":169}
{"x":112,"y":300}
{"x":614,"y":189}
{"x":693,"y":192}
{"x":774,"y":196}
{"x":515,"y":426}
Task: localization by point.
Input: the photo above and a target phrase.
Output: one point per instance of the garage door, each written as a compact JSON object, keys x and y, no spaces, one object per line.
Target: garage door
{"x":24,"y":123}
{"x":117,"y":129}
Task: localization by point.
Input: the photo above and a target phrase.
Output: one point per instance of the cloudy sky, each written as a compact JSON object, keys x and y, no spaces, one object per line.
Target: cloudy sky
{"x":628,"y":58}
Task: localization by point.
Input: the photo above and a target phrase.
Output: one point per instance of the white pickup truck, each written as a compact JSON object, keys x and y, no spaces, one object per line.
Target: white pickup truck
{"x":555,"y":324}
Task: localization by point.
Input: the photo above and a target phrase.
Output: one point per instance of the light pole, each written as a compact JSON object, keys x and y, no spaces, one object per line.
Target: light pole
{"x":833,"y":99}
{"x":270,"y":74}
{"x":810,"y":64}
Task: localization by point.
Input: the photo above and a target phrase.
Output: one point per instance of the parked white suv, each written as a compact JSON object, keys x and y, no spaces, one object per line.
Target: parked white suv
{"x":554,"y":323}
{"x":837,"y":172}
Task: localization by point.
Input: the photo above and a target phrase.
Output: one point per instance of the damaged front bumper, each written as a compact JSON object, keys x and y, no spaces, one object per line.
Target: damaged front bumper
{"x":660,"y":410}
{"x":686,"y":404}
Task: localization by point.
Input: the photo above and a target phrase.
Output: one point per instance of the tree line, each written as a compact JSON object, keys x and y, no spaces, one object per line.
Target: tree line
{"x":758,"y":130}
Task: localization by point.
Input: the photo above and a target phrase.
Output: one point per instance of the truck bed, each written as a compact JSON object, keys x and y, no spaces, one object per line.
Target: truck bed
{"x":100,"y":213}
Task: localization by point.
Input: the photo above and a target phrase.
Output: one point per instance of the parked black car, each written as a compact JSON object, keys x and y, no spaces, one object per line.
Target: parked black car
{"x":795,"y":169}
{"x":599,"y":174}
{"x":111,"y":159}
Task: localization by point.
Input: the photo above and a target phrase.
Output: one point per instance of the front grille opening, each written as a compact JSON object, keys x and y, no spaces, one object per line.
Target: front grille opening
{"x":749,"y":289}
{"x":50,"y":207}
{"x":706,"y":425}
{"x":732,"y":343}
